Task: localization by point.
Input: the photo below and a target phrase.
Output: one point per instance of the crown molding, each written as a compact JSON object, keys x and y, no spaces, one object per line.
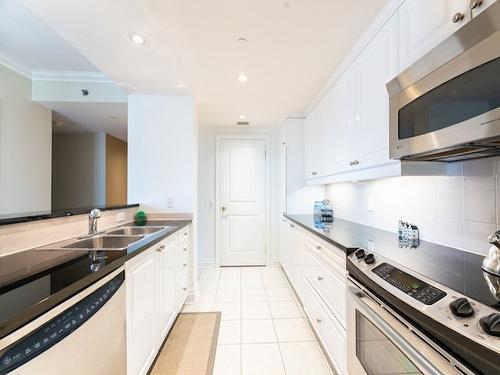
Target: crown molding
{"x":18,"y":68}
{"x":69,"y":76}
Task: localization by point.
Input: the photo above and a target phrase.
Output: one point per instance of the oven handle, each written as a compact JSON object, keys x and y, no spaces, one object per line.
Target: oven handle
{"x":365,"y":299}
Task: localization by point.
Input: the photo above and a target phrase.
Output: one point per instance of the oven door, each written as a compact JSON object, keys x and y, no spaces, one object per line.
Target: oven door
{"x":378,"y":343}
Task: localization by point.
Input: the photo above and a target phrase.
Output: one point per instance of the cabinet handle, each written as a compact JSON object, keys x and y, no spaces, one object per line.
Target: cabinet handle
{"x":185,"y":249}
{"x":184,"y":289}
{"x":158,"y":249}
{"x":292,"y":226}
{"x":186,"y":233}
{"x":314,"y":173}
{"x":184,"y":265}
{"x":476,"y":4}
{"x":162,"y":247}
{"x":318,"y":320}
{"x":318,"y":247}
{"x":354,"y":162}
{"x":320,"y":278}
{"x":457,"y":17}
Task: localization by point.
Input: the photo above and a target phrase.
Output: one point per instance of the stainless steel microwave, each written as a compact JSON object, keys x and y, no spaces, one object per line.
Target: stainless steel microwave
{"x":446,"y":107}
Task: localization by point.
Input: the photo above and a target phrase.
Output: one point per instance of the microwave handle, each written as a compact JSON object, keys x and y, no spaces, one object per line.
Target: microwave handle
{"x":366,"y":301}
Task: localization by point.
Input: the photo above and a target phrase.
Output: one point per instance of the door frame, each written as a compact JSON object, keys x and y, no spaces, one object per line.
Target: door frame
{"x":238,"y":136}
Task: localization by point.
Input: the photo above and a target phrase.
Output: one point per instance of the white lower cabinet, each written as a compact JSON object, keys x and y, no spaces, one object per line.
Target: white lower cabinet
{"x":157,"y":286}
{"x":317,"y":272}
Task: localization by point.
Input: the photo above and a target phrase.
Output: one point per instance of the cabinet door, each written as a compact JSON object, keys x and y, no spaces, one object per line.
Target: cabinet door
{"x":141,"y":307}
{"x":341,"y":131}
{"x":478,"y":6}
{"x":166,"y":285}
{"x":424,"y":24}
{"x":282,"y":177}
{"x":311,"y":135}
{"x":376,"y":65}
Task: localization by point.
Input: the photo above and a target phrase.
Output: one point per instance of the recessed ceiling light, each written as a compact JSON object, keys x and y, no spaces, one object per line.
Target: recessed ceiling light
{"x":242,"y":40}
{"x":137,"y":38}
{"x":243,"y":117}
{"x":242,"y":77}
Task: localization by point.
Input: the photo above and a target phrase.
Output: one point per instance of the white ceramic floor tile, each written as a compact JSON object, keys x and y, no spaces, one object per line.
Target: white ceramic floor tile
{"x":227,"y":360}
{"x":280,"y":294}
{"x":230,"y":273}
{"x":251,"y":272}
{"x":229,"y":310}
{"x":276,"y":283}
{"x":258,"y":331}
{"x":261,"y":359}
{"x":252,"y":283}
{"x":208,"y":284}
{"x":228,"y":295}
{"x":292,"y":330}
{"x":272,"y":272}
{"x":229,"y":332}
{"x":256,"y":310}
{"x":229,"y":284}
{"x":253,"y":295}
{"x":303,"y":358}
{"x":197,"y":307}
{"x":284,"y":309}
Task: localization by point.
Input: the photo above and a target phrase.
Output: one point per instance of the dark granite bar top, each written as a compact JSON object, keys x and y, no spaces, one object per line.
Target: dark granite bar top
{"x":34,"y":281}
{"x":37,"y":216}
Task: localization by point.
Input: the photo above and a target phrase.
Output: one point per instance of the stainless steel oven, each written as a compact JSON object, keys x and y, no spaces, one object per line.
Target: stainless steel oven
{"x":380,"y":342}
{"x":446,"y":107}
{"x":403,"y":322}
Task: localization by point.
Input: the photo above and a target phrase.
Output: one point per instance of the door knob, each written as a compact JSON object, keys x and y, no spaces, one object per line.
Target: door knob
{"x":457,"y":17}
{"x":223,"y":210}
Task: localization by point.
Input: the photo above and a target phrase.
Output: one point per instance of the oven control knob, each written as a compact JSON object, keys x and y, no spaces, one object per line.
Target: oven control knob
{"x":360,"y":254}
{"x":461,"y":307}
{"x":491,"y":324}
{"x":369,"y":259}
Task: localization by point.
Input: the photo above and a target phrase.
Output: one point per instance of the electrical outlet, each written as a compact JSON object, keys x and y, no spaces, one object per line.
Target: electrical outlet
{"x":171,"y":202}
{"x":371,"y":203}
{"x":120,"y":216}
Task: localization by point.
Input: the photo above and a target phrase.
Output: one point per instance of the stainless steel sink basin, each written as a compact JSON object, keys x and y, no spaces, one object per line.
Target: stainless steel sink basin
{"x":104,"y":243}
{"x":133,"y":231}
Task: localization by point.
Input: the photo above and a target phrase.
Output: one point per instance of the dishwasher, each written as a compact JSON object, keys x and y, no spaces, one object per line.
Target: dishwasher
{"x":85,"y":334}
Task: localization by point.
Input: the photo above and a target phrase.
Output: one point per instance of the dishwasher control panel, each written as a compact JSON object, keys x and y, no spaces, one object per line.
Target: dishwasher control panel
{"x":57,"y":328}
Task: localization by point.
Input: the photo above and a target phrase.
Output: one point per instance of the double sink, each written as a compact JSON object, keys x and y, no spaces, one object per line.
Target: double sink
{"x":117,"y":239}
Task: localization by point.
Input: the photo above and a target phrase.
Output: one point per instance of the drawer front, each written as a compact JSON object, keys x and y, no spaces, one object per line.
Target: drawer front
{"x":183,"y":235}
{"x":182,"y":262}
{"x":330,"y":284}
{"x":330,"y":332}
{"x":331,"y":253}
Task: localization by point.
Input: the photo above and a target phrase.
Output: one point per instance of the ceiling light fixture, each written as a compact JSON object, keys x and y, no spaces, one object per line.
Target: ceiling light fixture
{"x":137,"y":38}
{"x":242,"y":77}
{"x":242,"y":40}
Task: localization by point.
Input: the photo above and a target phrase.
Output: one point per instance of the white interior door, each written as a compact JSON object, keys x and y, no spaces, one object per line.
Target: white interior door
{"x":242,"y":202}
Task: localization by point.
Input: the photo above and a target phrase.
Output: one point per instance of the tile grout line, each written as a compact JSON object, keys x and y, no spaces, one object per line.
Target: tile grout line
{"x":274,"y":327}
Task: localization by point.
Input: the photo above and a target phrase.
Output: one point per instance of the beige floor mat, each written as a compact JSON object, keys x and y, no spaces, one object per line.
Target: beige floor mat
{"x":190,"y":347}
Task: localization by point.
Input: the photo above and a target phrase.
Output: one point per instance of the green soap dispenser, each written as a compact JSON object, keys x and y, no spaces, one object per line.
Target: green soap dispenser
{"x":141,"y":218}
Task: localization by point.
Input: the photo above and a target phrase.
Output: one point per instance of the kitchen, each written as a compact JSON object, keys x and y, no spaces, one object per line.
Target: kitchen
{"x":173,"y":202}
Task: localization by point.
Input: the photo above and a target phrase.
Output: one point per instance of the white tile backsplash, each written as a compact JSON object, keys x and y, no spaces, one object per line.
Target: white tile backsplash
{"x":459,"y":210}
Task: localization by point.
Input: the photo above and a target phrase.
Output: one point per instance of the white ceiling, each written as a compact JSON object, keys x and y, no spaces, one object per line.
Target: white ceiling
{"x":110,"y":118}
{"x":293,"y":48}
{"x":29,"y":44}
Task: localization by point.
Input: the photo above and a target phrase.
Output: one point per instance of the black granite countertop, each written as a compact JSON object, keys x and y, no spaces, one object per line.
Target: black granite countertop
{"x":34,"y":281}
{"x":457,"y":269}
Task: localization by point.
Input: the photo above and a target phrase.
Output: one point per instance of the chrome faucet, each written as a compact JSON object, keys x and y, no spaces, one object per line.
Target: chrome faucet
{"x":93,"y":216}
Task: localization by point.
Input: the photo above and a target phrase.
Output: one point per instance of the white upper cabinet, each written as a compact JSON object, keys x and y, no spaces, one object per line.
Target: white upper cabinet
{"x":312,"y":136}
{"x":375,"y":66}
{"x":424,"y":24}
{"x":477,"y":6}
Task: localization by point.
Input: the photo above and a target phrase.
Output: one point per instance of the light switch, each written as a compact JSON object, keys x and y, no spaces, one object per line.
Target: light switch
{"x":171,"y":202}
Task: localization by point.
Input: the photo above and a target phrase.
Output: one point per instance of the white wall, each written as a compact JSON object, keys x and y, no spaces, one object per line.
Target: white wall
{"x":25,"y":148}
{"x":78,"y":170}
{"x":459,"y":211}
{"x":206,"y":193}
{"x":161,"y":152}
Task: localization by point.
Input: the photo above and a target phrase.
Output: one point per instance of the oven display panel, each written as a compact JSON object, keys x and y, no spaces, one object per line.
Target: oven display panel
{"x":409,"y":284}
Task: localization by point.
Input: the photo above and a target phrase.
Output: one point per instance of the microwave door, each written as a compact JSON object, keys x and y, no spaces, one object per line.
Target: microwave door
{"x":379,"y":344}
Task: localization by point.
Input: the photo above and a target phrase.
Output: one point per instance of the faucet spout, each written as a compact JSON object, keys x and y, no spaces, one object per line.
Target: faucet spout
{"x":93,"y":216}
